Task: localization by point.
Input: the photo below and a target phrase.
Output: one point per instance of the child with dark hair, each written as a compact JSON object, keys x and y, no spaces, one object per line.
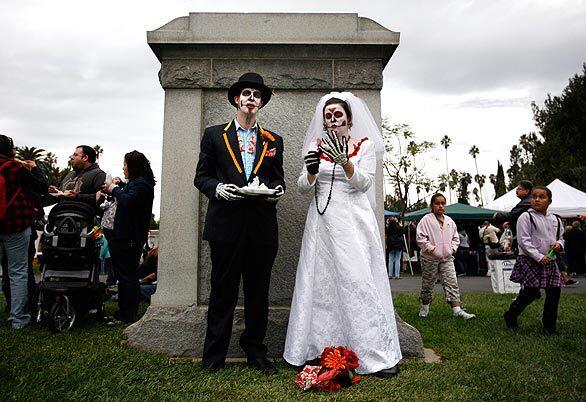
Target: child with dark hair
{"x":539,"y":235}
{"x":437,"y":236}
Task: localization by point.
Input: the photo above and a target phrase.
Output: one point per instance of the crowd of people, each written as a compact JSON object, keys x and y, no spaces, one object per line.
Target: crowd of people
{"x":485,"y":240}
{"x":122,"y":205}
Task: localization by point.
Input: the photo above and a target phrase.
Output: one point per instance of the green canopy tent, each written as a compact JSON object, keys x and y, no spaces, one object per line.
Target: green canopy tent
{"x":456,"y":212}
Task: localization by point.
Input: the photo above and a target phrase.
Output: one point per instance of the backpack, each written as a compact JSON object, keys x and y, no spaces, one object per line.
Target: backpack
{"x":558,"y":218}
{"x":3,"y":192}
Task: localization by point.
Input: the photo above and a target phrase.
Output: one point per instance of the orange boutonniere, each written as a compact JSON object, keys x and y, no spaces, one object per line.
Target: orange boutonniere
{"x":266,"y":135}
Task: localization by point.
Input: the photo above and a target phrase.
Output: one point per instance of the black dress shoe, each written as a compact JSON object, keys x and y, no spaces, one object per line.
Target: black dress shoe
{"x":213,"y":366}
{"x":388,"y":373}
{"x":263,"y":365}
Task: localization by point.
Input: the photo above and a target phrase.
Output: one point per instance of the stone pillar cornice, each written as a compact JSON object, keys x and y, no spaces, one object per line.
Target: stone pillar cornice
{"x":334,"y":51}
{"x":272,"y":28}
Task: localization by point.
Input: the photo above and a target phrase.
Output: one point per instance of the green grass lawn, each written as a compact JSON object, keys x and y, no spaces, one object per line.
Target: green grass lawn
{"x":482,"y":360}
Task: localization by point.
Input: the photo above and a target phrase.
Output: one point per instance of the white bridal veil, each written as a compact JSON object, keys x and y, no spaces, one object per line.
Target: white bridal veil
{"x":363,"y":125}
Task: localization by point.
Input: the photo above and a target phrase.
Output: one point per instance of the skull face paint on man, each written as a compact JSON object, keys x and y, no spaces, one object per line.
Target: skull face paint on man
{"x":249,"y":101}
{"x":336,"y":120}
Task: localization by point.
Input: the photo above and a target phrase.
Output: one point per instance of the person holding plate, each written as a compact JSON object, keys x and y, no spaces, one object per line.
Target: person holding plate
{"x":342,"y":294}
{"x":241,"y":225}
{"x":84,"y":180}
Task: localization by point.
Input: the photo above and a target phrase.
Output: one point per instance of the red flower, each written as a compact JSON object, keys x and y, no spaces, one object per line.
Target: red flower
{"x":334,"y":360}
{"x":351,"y":359}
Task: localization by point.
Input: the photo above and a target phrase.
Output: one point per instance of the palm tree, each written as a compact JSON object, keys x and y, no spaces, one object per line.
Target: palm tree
{"x":446,"y":141}
{"x":474,"y":151}
{"x":30,"y":153}
{"x":99,"y":150}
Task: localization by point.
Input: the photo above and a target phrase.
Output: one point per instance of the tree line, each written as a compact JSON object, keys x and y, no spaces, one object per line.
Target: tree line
{"x":556,"y":150}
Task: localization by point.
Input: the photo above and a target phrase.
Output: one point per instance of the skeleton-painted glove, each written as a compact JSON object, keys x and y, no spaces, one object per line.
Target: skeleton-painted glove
{"x":275,"y":197}
{"x":312,"y":162}
{"x":228,"y":192}
{"x":335,"y":148}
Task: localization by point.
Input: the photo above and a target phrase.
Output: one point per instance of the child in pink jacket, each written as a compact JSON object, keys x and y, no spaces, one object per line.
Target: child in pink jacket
{"x":437,"y":236}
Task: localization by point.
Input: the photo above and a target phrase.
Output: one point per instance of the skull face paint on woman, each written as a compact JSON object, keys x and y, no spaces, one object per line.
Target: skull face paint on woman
{"x":249,"y":101}
{"x":336,"y":120}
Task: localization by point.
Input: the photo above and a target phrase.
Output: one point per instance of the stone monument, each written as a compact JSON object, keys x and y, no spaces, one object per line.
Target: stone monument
{"x":300,"y":56}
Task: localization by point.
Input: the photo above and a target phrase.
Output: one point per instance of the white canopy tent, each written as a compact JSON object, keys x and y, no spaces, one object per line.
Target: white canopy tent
{"x":568,"y":202}
{"x":505,"y":202}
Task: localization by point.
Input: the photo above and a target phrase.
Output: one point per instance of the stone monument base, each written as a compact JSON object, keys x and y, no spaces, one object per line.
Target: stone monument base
{"x":180,"y":332}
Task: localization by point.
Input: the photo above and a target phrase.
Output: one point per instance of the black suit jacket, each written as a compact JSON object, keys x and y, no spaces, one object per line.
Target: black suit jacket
{"x":220,"y":161}
{"x":133,"y":211}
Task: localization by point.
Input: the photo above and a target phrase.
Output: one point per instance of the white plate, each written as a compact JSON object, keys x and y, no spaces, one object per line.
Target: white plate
{"x":257,"y":191}
{"x":57,"y":194}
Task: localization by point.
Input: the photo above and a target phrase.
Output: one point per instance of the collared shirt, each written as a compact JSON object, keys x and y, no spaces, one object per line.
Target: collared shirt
{"x":247,"y":142}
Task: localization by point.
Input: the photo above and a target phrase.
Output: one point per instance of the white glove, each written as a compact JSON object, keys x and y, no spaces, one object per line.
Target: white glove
{"x":228,"y":192}
{"x":275,"y":197}
{"x":335,"y":148}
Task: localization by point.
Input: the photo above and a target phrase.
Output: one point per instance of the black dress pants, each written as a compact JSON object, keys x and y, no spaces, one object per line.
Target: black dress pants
{"x":125,"y":260}
{"x":230,"y":262}
{"x":528,"y":295}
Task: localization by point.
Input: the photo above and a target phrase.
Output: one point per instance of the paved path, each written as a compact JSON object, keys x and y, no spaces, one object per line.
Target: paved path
{"x":468,"y":284}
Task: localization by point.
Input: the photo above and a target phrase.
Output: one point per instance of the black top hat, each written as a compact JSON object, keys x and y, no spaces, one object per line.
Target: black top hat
{"x":249,"y":80}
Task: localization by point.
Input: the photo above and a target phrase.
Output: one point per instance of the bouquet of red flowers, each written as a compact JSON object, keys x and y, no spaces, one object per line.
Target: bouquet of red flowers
{"x":336,"y":370}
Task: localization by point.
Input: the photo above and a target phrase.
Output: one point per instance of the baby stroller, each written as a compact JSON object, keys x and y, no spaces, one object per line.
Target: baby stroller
{"x":70,"y":285}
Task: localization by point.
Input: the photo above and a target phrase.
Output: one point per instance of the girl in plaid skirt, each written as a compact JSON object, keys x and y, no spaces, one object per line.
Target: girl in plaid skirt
{"x":539,"y":236}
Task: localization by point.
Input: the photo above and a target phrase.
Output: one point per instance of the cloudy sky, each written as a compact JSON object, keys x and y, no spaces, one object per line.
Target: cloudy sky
{"x":81,"y":72}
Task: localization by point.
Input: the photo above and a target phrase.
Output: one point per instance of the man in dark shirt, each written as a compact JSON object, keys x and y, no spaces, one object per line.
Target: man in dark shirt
{"x":523,"y":192}
{"x":84,"y":180}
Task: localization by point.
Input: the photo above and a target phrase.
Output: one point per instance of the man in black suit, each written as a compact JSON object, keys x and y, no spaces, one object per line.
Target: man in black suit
{"x":241,"y":229}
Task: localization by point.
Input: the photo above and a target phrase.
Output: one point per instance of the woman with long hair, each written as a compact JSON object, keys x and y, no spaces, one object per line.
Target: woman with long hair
{"x":134,"y":202}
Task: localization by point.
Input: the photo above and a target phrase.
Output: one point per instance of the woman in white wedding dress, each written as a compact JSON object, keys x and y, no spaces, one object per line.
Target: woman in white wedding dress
{"x":342,"y":294}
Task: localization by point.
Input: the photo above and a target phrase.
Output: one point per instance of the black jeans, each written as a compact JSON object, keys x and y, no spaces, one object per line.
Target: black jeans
{"x":230,"y":262}
{"x":125,"y":260}
{"x":528,"y":295}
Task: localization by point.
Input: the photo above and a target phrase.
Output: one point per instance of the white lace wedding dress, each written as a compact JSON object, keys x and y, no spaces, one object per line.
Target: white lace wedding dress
{"x":342,"y":294}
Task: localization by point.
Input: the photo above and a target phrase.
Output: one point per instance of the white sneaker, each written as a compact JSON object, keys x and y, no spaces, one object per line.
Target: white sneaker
{"x":465,"y":315}
{"x":423,"y":313}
